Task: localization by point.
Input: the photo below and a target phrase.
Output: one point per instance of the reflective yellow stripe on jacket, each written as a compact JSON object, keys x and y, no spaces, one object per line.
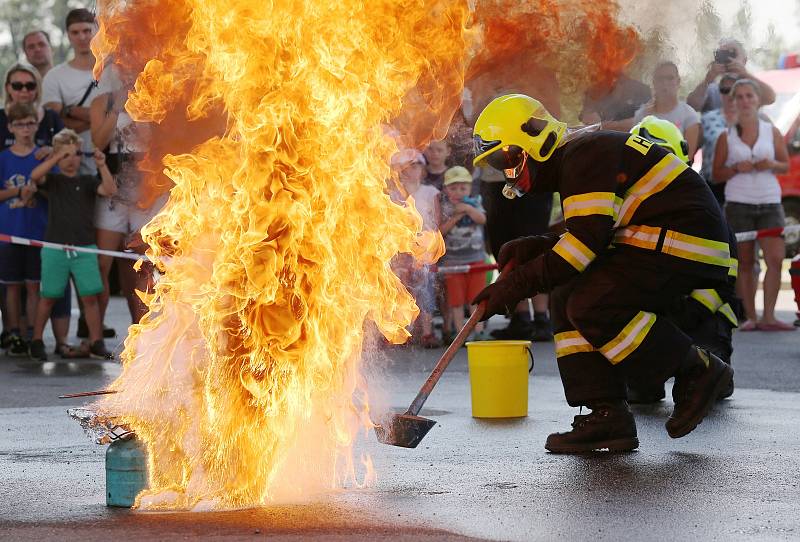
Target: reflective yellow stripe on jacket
{"x":574,"y":252}
{"x":591,"y":203}
{"x":733,"y":268}
{"x":652,"y":182}
{"x":629,"y":339}
{"x":571,"y":342}
{"x":710,"y":299}
{"x":728,"y":313}
{"x":676,"y":244}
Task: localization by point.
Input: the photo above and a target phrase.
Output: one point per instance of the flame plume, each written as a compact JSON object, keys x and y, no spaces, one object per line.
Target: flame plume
{"x":550,"y":49}
{"x":269,"y":118}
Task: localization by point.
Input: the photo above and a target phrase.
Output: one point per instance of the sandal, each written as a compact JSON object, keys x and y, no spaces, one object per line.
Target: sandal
{"x":67,"y":351}
{"x":748,"y":325}
{"x":775,"y":326}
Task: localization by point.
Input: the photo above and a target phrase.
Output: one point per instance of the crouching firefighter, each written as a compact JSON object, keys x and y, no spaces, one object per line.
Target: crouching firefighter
{"x":707,"y":315}
{"x":642,"y":230}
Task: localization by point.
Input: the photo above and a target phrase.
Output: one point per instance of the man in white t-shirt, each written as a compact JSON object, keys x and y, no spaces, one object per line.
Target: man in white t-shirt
{"x":68,"y":88}
{"x":666,"y":105}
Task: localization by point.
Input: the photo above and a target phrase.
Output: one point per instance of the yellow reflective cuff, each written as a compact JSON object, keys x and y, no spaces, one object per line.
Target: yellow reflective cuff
{"x":571,"y":342}
{"x":733,"y":268}
{"x":698,"y":249}
{"x":591,"y":203}
{"x":652,"y":182}
{"x":574,"y":252}
{"x":727,"y":312}
{"x":638,"y":236}
{"x":710,"y":299}
{"x":629,"y":339}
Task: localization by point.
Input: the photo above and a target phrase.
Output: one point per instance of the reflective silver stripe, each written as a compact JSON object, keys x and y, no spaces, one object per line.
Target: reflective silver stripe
{"x":710,"y":299}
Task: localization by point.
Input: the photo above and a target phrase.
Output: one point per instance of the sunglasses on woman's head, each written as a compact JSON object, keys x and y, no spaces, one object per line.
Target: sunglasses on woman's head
{"x":30,"y":85}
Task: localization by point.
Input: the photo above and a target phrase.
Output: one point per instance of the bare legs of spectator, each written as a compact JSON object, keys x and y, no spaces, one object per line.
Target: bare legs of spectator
{"x":457,"y":314}
{"x":60,"y":327}
{"x":14,"y":303}
{"x":91,"y":311}
{"x":129,"y":282}
{"x":774,"y":250}
{"x":747,"y":284}
{"x":106,"y":240}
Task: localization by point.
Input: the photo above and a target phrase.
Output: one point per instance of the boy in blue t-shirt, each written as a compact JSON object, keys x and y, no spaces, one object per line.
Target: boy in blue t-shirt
{"x":22,"y":214}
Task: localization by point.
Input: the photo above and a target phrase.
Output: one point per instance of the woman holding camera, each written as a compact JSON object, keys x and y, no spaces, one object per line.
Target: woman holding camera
{"x":746,"y":158}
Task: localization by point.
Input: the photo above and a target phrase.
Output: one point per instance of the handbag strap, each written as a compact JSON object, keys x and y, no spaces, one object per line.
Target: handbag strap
{"x":92,"y":85}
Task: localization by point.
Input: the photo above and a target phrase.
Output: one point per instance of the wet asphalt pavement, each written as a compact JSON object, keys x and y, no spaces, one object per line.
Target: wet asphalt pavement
{"x":734,"y":478}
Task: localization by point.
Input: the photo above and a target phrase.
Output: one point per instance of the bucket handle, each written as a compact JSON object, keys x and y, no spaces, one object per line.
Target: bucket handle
{"x":530,"y":354}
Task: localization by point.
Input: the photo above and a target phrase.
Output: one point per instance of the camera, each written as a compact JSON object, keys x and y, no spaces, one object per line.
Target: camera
{"x":723,"y":56}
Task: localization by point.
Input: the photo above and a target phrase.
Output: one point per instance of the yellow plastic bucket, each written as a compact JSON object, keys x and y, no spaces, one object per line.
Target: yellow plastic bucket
{"x":498,"y":375}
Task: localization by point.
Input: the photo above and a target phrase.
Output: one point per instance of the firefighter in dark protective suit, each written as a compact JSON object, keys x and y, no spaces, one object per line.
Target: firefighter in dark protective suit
{"x":707,"y":315}
{"x":642,"y":230}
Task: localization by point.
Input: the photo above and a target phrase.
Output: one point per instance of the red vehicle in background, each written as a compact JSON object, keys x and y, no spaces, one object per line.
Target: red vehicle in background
{"x":785,"y":113}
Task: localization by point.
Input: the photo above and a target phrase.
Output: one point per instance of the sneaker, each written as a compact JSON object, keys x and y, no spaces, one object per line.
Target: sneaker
{"x":610,"y":425}
{"x":697,"y":387}
{"x":644,"y":395}
{"x":36,"y":350}
{"x":5,"y":338}
{"x":98,"y":350}
{"x":83,"y":330}
{"x":17,"y":347}
{"x":542,"y":331}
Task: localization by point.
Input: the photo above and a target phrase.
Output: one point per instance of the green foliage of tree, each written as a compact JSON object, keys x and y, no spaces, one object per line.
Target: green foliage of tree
{"x":18,"y":17}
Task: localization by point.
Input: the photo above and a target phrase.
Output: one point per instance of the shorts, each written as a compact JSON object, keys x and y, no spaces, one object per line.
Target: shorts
{"x":463,"y":287}
{"x":122,"y":216}
{"x":58,"y":265}
{"x":750,"y":217}
{"x":19,"y":263}
{"x":508,"y":219}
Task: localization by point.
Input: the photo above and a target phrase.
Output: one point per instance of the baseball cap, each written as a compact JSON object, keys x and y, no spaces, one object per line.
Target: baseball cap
{"x":457,"y":174}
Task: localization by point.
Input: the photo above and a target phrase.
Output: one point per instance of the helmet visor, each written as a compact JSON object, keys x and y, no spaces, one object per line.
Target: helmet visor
{"x":482,"y":146}
{"x":510,"y":160}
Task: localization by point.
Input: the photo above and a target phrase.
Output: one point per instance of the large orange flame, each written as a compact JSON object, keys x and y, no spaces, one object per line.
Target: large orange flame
{"x":270,"y":119}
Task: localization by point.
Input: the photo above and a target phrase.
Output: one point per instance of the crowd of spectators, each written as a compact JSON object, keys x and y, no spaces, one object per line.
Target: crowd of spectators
{"x":68,"y":171}
{"x":69,"y":175}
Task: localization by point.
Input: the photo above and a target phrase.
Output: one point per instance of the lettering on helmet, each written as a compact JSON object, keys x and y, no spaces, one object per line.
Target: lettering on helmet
{"x":639,"y":143}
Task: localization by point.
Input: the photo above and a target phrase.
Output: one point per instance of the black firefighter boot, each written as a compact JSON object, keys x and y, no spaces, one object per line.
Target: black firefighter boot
{"x":702,"y":378}
{"x":610,"y":425}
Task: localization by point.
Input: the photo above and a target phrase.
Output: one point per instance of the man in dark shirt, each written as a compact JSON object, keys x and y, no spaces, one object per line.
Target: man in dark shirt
{"x":71,"y":198}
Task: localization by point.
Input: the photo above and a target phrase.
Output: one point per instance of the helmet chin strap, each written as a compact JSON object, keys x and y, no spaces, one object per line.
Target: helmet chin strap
{"x":516,"y":188}
{"x":578,"y":131}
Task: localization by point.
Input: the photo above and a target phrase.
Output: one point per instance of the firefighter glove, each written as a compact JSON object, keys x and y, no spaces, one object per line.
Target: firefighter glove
{"x":525,"y":249}
{"x":512,"y":287}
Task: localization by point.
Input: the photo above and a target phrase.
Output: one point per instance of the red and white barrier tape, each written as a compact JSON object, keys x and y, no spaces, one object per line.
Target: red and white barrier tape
{"x":769,"y":232}
{"x":445,"y":269}
{"x":58,"y":246}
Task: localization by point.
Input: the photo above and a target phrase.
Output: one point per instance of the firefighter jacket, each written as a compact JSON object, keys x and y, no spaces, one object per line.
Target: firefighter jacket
{"x":622,"y":192}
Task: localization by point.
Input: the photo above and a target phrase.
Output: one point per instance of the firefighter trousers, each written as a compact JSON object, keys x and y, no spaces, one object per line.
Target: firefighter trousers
{"x":611,"y":325}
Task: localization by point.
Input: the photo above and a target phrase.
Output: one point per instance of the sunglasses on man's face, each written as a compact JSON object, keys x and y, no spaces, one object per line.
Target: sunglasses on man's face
{"x":30,"y":85}
{"x":725,"y":90}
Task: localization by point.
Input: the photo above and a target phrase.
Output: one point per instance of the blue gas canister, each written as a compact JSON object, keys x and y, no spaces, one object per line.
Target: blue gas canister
{"x":126,"y":472}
